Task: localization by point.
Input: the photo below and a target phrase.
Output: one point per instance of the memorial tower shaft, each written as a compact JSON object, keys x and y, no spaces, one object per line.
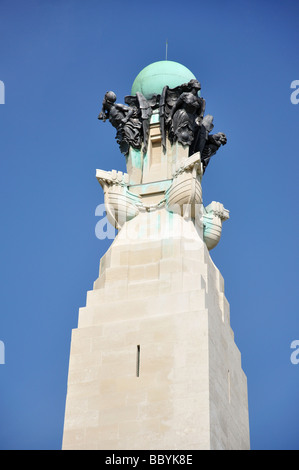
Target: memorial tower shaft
{"x":153,"y":361}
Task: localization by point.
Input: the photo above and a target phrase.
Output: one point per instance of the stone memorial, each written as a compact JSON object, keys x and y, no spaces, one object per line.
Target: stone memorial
{"x":153,"y":361}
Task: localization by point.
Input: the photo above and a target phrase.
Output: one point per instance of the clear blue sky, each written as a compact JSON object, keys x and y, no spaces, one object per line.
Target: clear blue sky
{"x":57,"y":59}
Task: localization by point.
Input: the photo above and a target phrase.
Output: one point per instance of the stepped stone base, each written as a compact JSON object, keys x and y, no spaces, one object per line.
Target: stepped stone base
{"x":153,"y":362}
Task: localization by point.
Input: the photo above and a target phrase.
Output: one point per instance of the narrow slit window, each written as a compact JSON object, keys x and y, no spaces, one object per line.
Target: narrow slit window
{"x":228,"y":386}
{"x":138,"y":361}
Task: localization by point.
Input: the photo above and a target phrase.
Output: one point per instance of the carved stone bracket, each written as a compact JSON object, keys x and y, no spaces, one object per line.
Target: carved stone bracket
{"x":214,"y":215}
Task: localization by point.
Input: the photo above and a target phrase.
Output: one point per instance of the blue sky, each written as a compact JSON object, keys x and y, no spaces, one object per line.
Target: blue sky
{"x":57,"y":59}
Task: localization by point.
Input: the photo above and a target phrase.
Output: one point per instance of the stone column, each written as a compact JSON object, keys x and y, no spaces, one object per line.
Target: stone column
{"x":153,"y":362}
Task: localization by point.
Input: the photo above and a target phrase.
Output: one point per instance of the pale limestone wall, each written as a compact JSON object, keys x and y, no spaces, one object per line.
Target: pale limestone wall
{"x":164,"y":294}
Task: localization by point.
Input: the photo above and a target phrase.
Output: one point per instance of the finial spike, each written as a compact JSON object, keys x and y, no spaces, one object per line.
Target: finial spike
{"x":166,"y":49}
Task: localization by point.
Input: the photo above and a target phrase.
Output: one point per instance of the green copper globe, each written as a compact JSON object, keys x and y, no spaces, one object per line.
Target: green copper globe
{"x":153,"y":78}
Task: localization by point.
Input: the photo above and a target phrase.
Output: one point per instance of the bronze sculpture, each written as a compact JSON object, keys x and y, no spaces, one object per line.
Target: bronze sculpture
{"x":181,"y":116}
{"x":182,"y":112}
{"x":125,"y":119}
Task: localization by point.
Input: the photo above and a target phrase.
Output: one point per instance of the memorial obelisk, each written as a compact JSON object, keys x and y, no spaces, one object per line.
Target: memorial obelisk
{"x":153,"y":362}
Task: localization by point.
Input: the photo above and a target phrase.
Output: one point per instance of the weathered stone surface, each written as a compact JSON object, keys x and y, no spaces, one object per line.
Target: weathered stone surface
{"x":166,"y":296}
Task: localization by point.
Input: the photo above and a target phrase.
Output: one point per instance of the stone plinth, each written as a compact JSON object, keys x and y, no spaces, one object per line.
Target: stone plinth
{"x":153,"y":362}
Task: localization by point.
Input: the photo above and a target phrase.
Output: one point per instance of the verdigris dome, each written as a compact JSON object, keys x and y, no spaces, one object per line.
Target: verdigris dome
{"x":153,"y":78}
